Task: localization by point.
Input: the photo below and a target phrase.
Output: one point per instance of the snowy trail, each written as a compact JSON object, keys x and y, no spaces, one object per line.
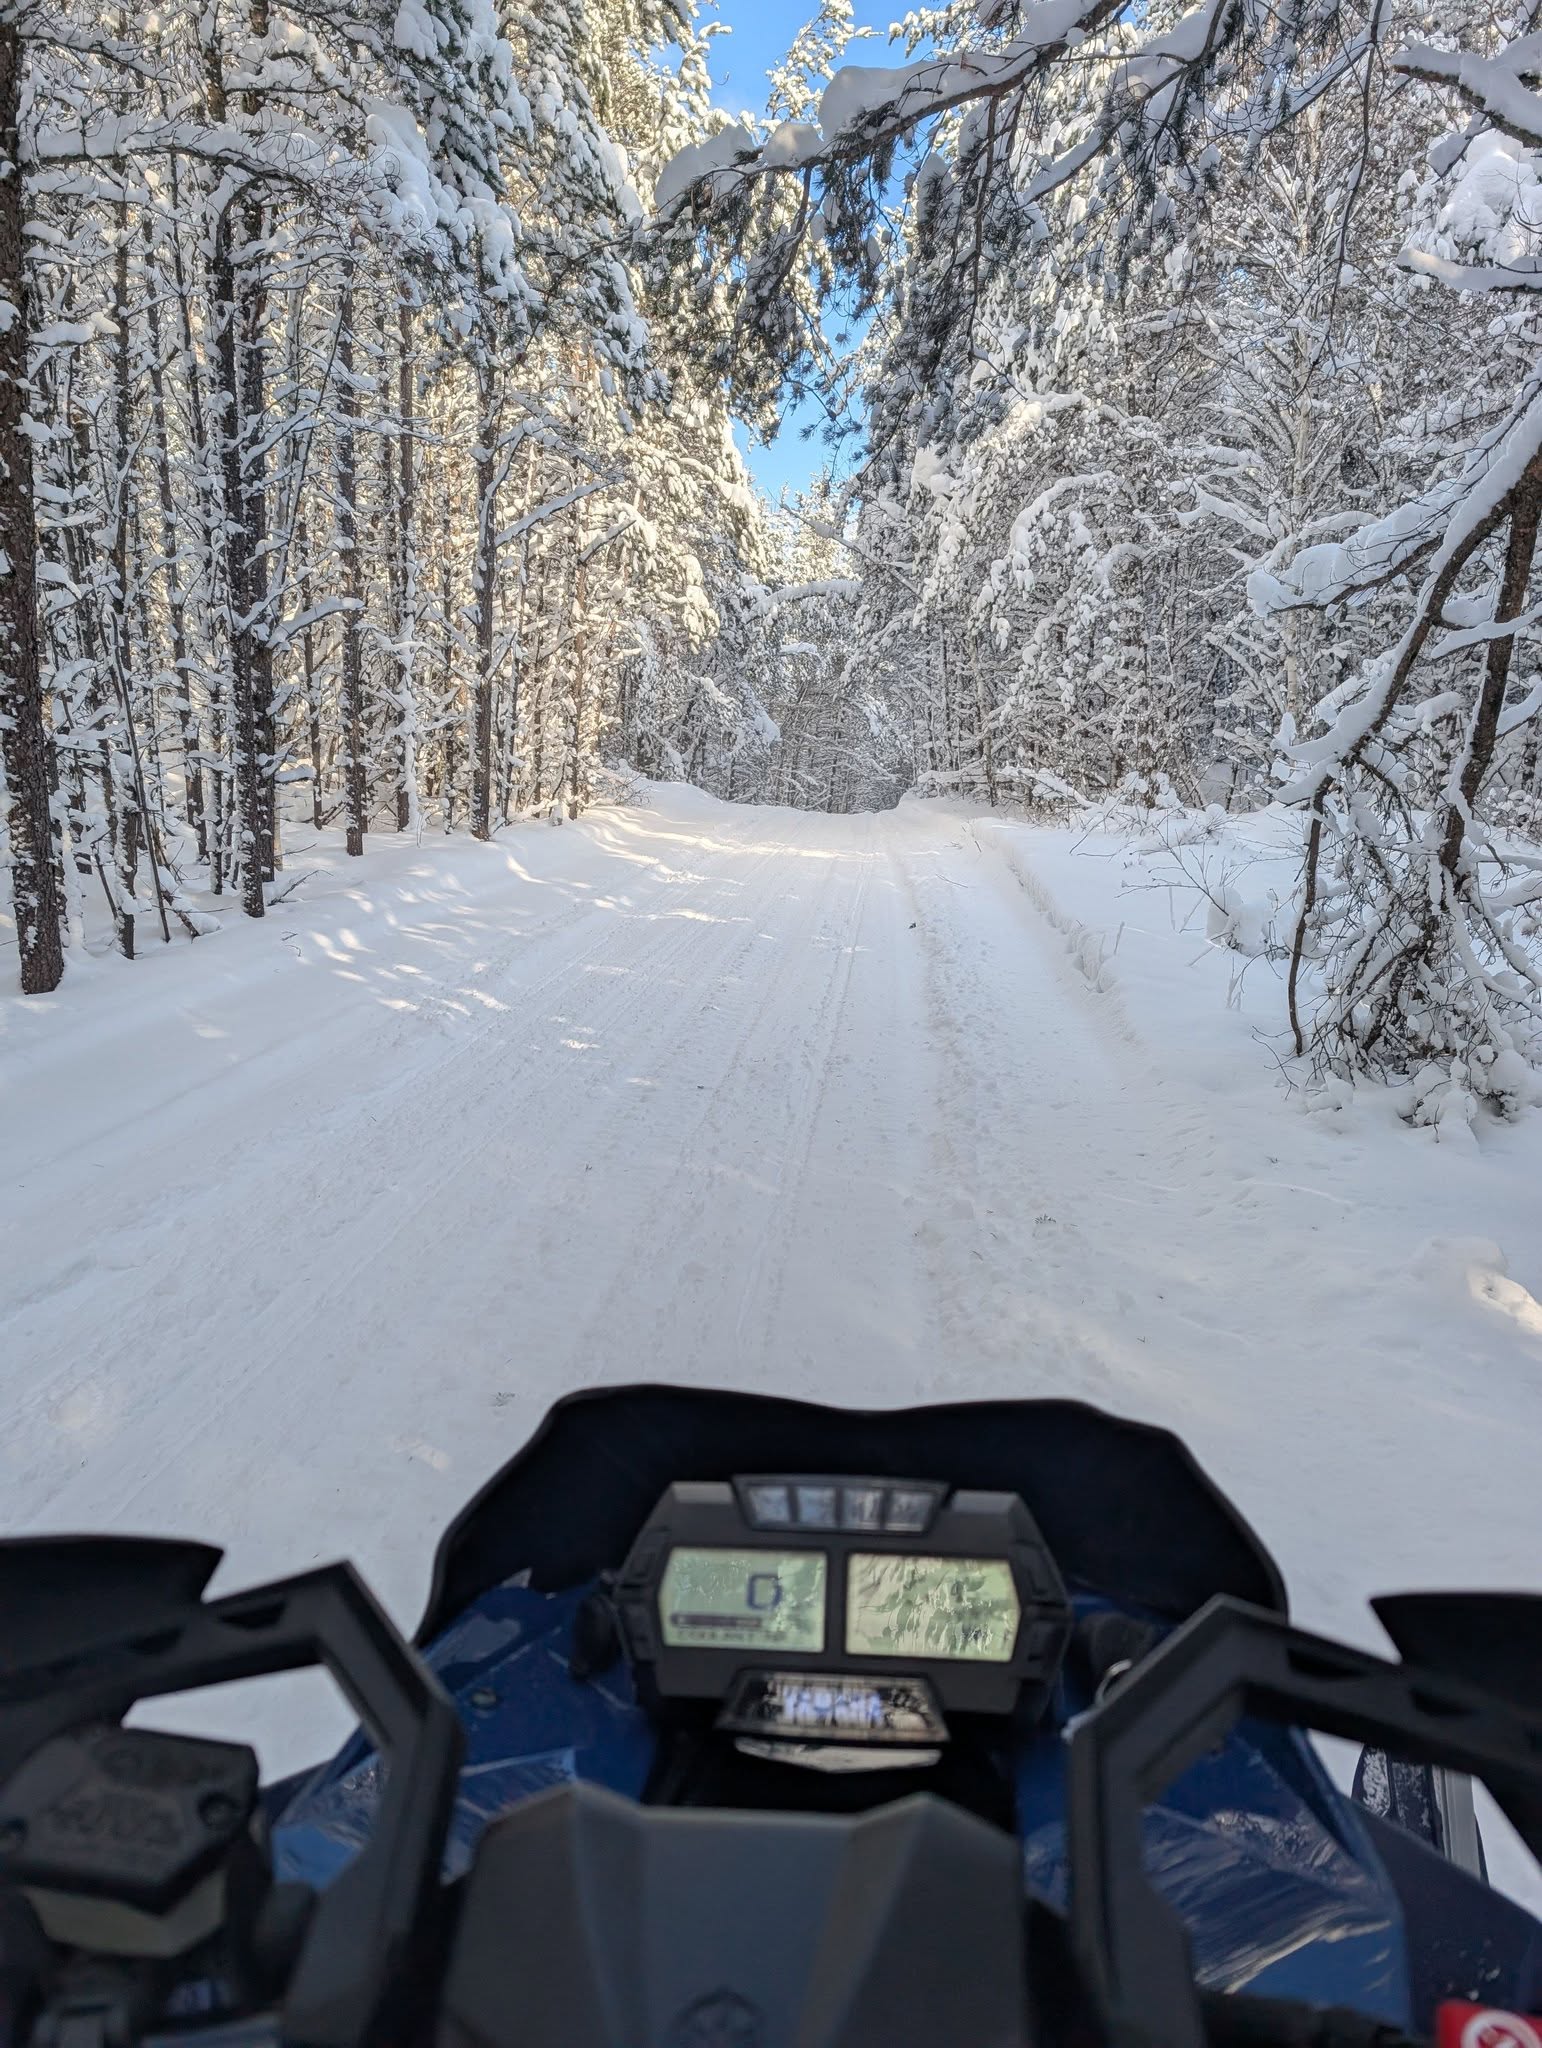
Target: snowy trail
{"x":312,"y":1293}
{"x":304,"y":1231}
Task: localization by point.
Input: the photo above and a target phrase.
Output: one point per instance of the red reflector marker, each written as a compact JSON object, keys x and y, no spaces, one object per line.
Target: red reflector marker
{"x":1486,"y":2026}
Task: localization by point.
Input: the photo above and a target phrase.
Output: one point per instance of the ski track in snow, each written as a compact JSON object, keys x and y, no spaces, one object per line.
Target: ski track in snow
{"x":306,"y":1228}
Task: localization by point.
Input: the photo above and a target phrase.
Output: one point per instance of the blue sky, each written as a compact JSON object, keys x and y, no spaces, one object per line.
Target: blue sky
{"x":762,"y":31}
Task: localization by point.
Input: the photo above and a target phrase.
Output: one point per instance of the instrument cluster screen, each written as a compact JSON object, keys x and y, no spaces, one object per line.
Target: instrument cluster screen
{"x":840,"y":1606}
{"x":720,"y":1599}
{"x":959,"y":1609}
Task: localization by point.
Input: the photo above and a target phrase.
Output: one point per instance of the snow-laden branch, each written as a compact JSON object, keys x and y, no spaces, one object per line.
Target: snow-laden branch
{"x":618,"y":530}
{"x":1473,"y":277}
{"x":1335,"y":572}
{"x":1481,"y":633}
{"x":1522,"y":713}
{"x":562,"y":502}
{"x":801,"y":593}
{"x":1491,"y":84}
{"x":865,"y":107}
{"x":1481,"y":504}
{"x":104,"y":137}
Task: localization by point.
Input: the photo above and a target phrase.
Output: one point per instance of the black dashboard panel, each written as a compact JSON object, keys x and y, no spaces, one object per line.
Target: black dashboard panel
{"x":853,"y":1576}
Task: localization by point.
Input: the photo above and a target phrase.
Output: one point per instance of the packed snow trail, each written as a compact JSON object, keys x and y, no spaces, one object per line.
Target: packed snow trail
{"x":306,"y":1225}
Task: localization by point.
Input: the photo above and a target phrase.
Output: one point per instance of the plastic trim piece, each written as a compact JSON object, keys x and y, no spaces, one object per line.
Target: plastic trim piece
{"x":589,"y":1922}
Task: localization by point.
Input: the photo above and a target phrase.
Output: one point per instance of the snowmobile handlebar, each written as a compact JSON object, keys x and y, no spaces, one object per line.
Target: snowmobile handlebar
{"x":136,"y":1901}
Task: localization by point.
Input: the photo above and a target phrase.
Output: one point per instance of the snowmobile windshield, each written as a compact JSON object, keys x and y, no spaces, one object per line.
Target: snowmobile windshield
{"x":1123,"y":1507}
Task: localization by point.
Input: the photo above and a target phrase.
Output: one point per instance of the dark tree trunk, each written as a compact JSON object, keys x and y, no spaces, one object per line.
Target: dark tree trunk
{"x":511,"y":790}
{"x":250,"y":803}
{"x":27,"y":744}
{"x":240,"y":368}
{"x":407,"y":623}
{"x":176,"y":613}
{"x":354,"y":780}
{"x":452,"y":711}
{"x":254,"y":465}
{"x":484,"y":577}
{"x":90,"y":651}
{"x":130,"y":822}
{"x":254,"y":517}
{"x":312,"y":707}
{"x":1519,"y":551}
{"x":577,"y":775}
{"x":212,"y":801}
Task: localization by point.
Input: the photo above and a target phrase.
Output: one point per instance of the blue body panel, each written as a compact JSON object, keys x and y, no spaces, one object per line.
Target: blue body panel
{"x":1271,"y":1867}
{"x":528,"y":1727}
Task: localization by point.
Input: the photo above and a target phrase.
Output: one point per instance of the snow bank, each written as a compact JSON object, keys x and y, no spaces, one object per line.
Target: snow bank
{"x":1341,"y":1313}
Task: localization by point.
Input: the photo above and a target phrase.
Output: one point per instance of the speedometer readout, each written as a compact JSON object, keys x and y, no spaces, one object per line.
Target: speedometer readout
{"x":721,"y":1599}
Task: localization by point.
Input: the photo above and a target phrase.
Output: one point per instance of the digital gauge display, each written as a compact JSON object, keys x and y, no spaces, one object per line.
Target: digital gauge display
{"x":840,"y":1608}
{"x":719,"y":1599}
{"x":962,"y":1609}
{"x":839,"y":1705}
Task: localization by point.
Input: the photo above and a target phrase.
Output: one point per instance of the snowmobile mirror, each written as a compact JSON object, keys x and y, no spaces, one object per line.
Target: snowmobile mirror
{"x":1490,"y":1639}
{"x":1233,"y":1660}
{"x":1433,"y":1805}
{"x":62,"y":1594}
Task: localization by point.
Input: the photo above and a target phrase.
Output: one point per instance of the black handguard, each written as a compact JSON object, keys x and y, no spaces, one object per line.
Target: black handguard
{"x":1233,"y":1660}
{"x":135,"y":1890}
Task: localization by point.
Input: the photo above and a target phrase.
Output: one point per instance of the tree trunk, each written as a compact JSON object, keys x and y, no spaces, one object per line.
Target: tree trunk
{"x":452,"y":710}
{"x":130,"y":821}
{"x":77,"y":461}
{"x":212,"y":799}
{"x":176,"y":612}
{"x":354,"y":778}
{"x":308,"y":675}
{"x":577,"y":777}
{"x":482,"y":584}
{"x":254,"y":515}
{"x":27,"y":745}
{"x":251,"y":817}
{"x":511,"y":788}
{"x":1519,"y":551}
{"x":254,"y":464}
{"x":406,"y":541}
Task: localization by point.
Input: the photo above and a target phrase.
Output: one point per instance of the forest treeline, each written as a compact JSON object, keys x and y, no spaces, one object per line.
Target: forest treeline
{"x":368,"y":389}
{"x":359,"y":464}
